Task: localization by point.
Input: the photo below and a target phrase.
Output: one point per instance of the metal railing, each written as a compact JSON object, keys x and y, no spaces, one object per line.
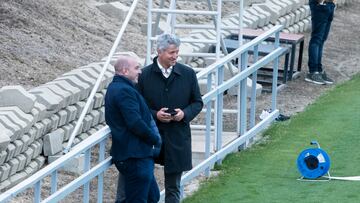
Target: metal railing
{"x":84,"y":148}
{"x":80,"y":150}
{"x":100,"y":137}
{"x":244,"y":135}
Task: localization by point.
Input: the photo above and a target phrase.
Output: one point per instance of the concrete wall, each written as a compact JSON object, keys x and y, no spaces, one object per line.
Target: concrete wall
{"x":37,"y":123}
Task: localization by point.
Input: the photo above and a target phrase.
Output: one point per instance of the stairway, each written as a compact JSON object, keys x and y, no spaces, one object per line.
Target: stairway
{"x":216,"y":40}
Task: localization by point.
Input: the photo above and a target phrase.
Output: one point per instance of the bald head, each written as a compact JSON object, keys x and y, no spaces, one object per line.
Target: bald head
{"x":128,"y":67}
{"x":122,"y":63}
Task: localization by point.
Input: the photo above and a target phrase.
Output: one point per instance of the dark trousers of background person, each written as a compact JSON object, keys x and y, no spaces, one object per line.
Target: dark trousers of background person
{"x":139,"y":179}
{"x":172,"y":187}
{"x":120,"y":190}
{"x":321,"y":18}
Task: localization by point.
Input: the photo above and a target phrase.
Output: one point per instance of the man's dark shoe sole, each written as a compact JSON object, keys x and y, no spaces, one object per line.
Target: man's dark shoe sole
{"x":328,"y":82}
{"x":315,"y":82}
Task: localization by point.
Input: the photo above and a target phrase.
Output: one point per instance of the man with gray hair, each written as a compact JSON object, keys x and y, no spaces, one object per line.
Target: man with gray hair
{"x":172,"y":93}
{"x":135,"y":137}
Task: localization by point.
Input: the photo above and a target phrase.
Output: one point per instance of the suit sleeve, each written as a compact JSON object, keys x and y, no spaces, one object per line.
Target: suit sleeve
{"x":128,"y":104}
{"x":196,"y":103}
{"x":157,"y":147}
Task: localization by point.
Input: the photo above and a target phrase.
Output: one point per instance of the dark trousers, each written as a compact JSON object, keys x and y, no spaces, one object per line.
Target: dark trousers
{"x":172,"y":187}
{"x":139,"y":179}
{"x":120,"y":190}
{"x":321,"y":18}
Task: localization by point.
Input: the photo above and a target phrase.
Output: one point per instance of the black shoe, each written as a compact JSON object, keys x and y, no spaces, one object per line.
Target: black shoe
{"x":282,"y":117}
{"x":326,"y":79}
{"x":316,"y":78}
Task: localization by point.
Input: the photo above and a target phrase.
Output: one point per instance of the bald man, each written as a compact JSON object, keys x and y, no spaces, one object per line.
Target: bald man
{"x":135,"y":137}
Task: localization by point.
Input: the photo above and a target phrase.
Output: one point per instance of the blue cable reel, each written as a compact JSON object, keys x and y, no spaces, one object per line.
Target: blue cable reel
{"x":313,"y":163}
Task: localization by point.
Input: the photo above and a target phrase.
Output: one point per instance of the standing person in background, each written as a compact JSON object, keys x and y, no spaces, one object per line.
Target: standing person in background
{"x":135,"y":137}
{"x":172,"y":93}
{"x":322,"y":14}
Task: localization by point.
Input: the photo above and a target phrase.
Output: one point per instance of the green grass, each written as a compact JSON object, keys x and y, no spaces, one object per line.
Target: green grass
{"x":267,"y":172}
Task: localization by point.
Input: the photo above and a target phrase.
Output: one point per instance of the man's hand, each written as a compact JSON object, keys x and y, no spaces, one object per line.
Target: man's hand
{"x":179,"y":116}
{"x":162,"y":116}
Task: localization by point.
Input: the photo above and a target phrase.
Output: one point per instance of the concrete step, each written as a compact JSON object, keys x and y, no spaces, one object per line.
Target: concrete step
{"x":198,"y":143}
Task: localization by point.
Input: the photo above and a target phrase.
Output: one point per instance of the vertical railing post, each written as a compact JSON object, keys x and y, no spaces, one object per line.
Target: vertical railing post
{"x":54,"y":177}
{"x":238,"y":123}
{"x":157,"y":20}
{"x":275,"y":73}
{"x":219,"y":81}
{"x":253,"y":89}
{"x":86,"y":195}
{"x":149,"y":34}
{"x":171,"y":20}
{"x":218,"y":111}
{"x":101,"y":176}
{"x":243,"y":95}
{"x":208,"y":125}
{"x":241,"y":22}
{"x":240,"y":40}
{"x":222,"y":42}
{"x":242,"y":98}
{"x":37,"y":192}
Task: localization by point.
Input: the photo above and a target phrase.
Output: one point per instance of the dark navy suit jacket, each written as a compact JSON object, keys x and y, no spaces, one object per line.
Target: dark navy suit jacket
{"x":130,"y":121}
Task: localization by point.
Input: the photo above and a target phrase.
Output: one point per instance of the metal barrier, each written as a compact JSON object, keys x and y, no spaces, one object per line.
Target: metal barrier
{"x":216,"y":93}
{"x":244,"y":134}
{"x":101,"y":136}
{"x":84,"y":148}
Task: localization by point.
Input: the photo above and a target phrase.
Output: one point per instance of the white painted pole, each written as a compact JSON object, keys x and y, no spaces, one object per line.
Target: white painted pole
{"x":98,"y":81}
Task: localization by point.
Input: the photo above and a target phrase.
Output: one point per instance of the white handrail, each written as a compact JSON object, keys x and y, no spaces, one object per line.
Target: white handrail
{"x":195,"y":12}
{"x":241,"y":76}
{"x":58,"y":163}
{"x":97,"y":84}
{"x":238,"y":51}
{"x":104,"y":133}
{"x":188,"y":176}
{"x":67,"y":189}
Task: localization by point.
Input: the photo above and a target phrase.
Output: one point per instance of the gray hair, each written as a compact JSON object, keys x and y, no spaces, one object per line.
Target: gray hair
{"x":122,"y":63}
{"x":165,"y":40}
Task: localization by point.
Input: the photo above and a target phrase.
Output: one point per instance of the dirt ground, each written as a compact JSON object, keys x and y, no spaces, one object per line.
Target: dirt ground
{"x":41,"y":39}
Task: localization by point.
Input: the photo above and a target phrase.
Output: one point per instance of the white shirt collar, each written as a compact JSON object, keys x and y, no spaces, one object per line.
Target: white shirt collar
{"x":166,"y":72}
